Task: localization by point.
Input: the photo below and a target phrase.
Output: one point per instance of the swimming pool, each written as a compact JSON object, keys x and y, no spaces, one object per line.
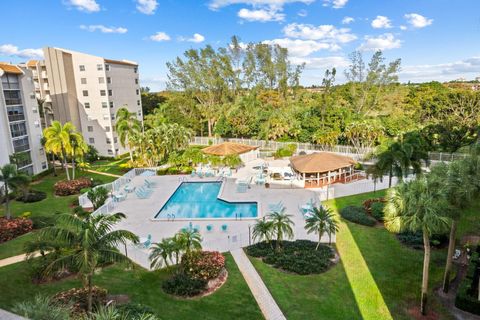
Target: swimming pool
{"x":199,"y":200}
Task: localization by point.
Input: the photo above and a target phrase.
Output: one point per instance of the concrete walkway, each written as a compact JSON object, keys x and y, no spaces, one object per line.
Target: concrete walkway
{"x":15,"y":259}
{"x":267,"y":304}
{"x":5,"y":315}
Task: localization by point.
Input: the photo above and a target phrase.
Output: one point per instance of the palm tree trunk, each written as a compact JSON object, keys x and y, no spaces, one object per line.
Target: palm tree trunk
{"x":7,"y":201}
{"x":53,"y":165}
{"x":89,"y":298}
{"x":131,"y":153}
{"x":451,"y":248}
{"x":64,"y":163}
{"x":390,"y":174}
{"x":73,"y":166}
{"x":319,"y":239}
{"x":426,"y":265}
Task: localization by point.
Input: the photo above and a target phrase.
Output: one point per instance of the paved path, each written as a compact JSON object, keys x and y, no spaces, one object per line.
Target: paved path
{"x":267,"y":304}
{"x":5,"y":315}
{"x":12,"y":260}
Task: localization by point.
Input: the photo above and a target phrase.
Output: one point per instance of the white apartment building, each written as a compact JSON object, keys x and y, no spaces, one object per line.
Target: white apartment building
{"x":88,"y":90}
{"x":20,"y":129}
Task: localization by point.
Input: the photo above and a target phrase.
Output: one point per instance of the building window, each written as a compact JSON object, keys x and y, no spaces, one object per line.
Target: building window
{"x":104,"y":105}
{"x":91,"y":140}
{"x":82,"y":67}
{"x":107,"y":67}
{"x":112,"y":116}
{"x":41,"y":151}
{"x":36,"y":123}
{"x":115,"y":139}
{"x":136,"y":81}
{"x":44,"y":165}
{"x":107,"y":129}
{"x":111,"y":104}
{"x":110,"y":151}
{"x":90,"y":128}
{"x":139,"y":113}
{"x":135,"y":69}
{"x":87,"y":105}
{"x":110,"y":92}
{"x":106,"y":117}
{"x":108,"y":140}
{"x":85,"y":93}
{"x":103,"y":93}
{"x":99,"y":67}
{"x":101,"y":80}
{"x":138,"y":102}
{"x":83,"y":80}
{"x":109,"y":80}
{"x":138,"y":92}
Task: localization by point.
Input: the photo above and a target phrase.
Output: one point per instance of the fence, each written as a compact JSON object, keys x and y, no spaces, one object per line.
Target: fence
{"x":269,"y":147}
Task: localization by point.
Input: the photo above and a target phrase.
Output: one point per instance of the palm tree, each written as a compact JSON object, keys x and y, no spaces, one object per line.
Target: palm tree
{"x":11,"y":179}
{"x":58,"y":141}
{"x":282,"y":225}
{"x":263,"y":229}
{"x":189,"y":239}
{"x":161,"y":251}
{"x":78,"y":147}
{"x":322,"y":220}
{"x":97,"y":196}
{"x":89,"y":242}
{"x":417,"y":206}
{"x":127,"y":126}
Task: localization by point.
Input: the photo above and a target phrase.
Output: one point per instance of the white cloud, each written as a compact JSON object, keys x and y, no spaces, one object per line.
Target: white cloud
{"x":382,"y":42}
{"x":10,"y":50}
{"x":322,"y":32}
{"x":84,"y":5}
{"x":261,"y":15}
{"x":301,"y":48}
{"x":337,"y":4}
{"x":147,"y":6}
{"x":382,"y":22}
{"x":196,"y":38}
{"x":348,"y":20}
{"x":160,"y":36}
{"x":103,"y":29}
{"x":403,"y":28}
{"x":217,"y":4}
{"x":466,"y":68}
{"x":303,"y":13}
{"x":418,"y":21}
{"x":321,"y":62}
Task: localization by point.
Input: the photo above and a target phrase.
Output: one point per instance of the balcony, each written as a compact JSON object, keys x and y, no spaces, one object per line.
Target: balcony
{"x":20,"y":145}
{"x":16,"y":117}
{"x":12,"y":101}
{"x":11,"y":86}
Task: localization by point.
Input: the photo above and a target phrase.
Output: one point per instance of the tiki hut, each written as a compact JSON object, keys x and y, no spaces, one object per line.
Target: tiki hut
{"x":323,"y":168}
{"x":246,"y":152}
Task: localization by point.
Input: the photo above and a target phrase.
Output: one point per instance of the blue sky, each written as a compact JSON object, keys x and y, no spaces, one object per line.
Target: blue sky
{"x":436,"y":39}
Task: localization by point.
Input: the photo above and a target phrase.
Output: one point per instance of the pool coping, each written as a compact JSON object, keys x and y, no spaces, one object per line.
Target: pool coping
{"x":219,"y":197}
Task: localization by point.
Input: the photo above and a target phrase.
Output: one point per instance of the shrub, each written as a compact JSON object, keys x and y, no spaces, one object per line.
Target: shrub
{"x":14,"y":227}
{"x":96,"y":182}
{"x":70,"y":187}
{"x":78,"y":298}
{"x":42,"y":308}
{"x":98,"y":196}
{"x":134,"y":310}
{"x":286,"y":151}
{"x":204,"y":265}
{"x":40,"y":222}
{"x":467,"y":294}
{"x":299,"y":256}
{"x":377,"y":210}
{"x":75,"y":202}
{"x":184,"y":286}
{"x":357,"y":215}
{"x":32,"y":196}
{"x":415,"y":239}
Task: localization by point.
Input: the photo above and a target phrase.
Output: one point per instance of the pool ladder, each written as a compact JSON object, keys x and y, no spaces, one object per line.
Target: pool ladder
{"x":171,"y":217}
{"x":238,"y":216}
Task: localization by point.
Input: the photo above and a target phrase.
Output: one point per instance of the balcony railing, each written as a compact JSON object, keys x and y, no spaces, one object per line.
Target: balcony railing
{"x":12,"y":101}
{"x":16,"y":117}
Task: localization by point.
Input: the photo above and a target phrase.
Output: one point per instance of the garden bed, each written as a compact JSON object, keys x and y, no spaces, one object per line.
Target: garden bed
{"x":14,"y":227}
{"x":298,"y":257}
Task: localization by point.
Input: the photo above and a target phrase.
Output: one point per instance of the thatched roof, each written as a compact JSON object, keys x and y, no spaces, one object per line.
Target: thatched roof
{"x":320,"y":162}
{"x":228,"y":148}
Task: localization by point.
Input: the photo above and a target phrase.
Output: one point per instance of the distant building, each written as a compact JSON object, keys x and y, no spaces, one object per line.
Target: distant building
{"x":20,"y":129}
{"x":88,"y":90}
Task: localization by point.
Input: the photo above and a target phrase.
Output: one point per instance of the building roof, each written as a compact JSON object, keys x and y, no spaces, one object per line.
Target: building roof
{"x":228,"y":148}
{"x":32,"y":63}
{"x":10,"y":68}
{"x":124,"y":62}
{"x":320,"y":162}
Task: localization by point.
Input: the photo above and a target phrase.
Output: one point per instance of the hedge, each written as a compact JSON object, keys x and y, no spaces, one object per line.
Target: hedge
{"x":357,"y":215}
{"x":32,"y":196}
{"x":467,"y":294}
{"x":71,"y":187}
{"x":14,"y":227}
{"x":204,"y":265}
{"x":184,"y":286}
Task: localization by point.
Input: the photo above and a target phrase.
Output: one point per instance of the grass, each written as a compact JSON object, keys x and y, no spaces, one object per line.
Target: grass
{"x":377,"y":277}
{"x":109,"y":166}
{"x":47,"y":207}
{"x":232,"y":301}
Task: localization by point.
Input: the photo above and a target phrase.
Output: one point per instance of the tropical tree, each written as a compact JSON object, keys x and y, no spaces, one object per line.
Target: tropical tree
{"x":263,"y":229}
{"x":417,"y":206}
{"x":78,"y":148}
{"x":161,"y":251}
{"x":282,"y":226}
{"x":11,"y":179}
{"x":321,"y":221}
{"x":97,"y":196}
{"x":189,"y":239}
{"x":58,"y":141}
{"x":89,"y":241}
{"x":127,"y":126}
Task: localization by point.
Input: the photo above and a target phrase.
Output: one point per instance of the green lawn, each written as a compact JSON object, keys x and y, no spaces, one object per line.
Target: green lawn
{"x":109,"y":166}
{"x":47,"y":207}
{"x":377,"y":277}
{"x":232,"y":301}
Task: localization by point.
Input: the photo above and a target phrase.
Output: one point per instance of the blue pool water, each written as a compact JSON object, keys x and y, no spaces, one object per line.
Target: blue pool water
{"x":199,"y":200}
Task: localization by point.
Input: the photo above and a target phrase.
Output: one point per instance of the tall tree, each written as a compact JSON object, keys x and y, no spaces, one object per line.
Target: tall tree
{"x":321,"y":221}
{"x":282,"y":226}
{"x":11,"y":179}
{"x":189,"y":240}
{"x":78,"y":148}
{"x":127,"y":126}
{"x":161,"y":252}
{"x":58,"y":141}
{"x":263,"y":229}
{"x":417,"y":206}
